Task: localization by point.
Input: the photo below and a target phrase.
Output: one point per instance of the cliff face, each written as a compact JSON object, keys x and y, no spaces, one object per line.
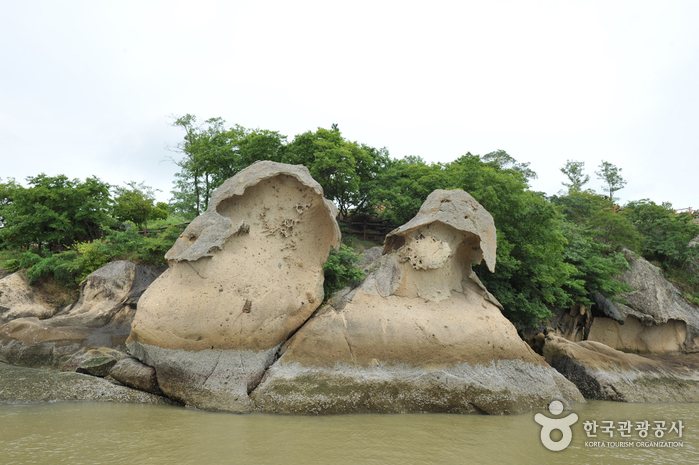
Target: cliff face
{"x":642,"y":351}
{"x":655,"y":318}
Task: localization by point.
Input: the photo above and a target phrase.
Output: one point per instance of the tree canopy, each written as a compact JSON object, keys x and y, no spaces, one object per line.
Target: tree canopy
{"x":136,"y":203}
{"x":611,"y":176}
{"x":53,"y":211}
{"x":574,"y":171}
{"x":552,"y":251}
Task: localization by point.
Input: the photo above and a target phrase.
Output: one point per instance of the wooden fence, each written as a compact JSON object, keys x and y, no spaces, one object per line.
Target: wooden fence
{"x":157,"y":230}
{"x":366,"y":228}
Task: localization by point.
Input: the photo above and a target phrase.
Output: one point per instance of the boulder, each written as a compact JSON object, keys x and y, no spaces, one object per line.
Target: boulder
{"x":95,"y":362}
{"x":242,"y":278}
{"x":421,"y":333}
{"x":21,"y":385}
{"x":368,"y":257}
{"x":132,"y":373}
{"x":603,"y":373}
{"x":100,"y":318}
{"x":18,"y":300}
{"x":655,"y":318}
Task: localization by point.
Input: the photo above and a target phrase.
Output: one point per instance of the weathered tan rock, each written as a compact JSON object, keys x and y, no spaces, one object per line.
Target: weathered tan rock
{"x":421,"y":334}
{"x":243,"y":277}
{"x":18,"y":300}
{"x":101,"y":318}
{"x":655,"y":319}
{"x":603,"y":373}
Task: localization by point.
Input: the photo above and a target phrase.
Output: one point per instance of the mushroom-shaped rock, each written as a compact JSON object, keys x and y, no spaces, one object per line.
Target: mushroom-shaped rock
{"x":242,"y":278}
{"x":421,"y":334}
{"x":463,"y":213}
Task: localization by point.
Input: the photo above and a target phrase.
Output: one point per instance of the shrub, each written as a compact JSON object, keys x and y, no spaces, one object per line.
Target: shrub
{"x":340,"y":270}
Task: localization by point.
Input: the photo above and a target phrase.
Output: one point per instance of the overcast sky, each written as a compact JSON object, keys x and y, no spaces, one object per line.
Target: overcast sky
{"x":89,"y":88}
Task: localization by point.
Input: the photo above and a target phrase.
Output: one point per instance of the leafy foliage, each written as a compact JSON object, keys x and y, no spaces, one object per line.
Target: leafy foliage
{"x":595,"y":265}
{"x":340,"y":270}
{"x":666,"y":236}
{"x":214,"y":153}
{"x":611,"y":176}
{"x":53,"y":211}
{"x":137,"y":204}
{"x":574,"y":171}
{"x":71,"y":266}
{"x":346,"y":170}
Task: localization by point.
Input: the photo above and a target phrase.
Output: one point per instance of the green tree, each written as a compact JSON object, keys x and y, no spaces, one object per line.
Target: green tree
{"x":531,"y":271}
{"x":136,"y":203}
{"x":346,"y":170}
{"x":600,"y":218}
{"x":666,"y":236}
{"x":611,"y":176}
{"x":213,"y":153}
{"x":6,"y":195}
{"x":53,"y":211}
{"x":505,"y":162}
{"x":574,"y":170}
{"x":403,"y":185}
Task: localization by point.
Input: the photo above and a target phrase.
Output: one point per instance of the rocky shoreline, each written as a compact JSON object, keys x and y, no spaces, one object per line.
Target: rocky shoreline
{"x":235,"y":322}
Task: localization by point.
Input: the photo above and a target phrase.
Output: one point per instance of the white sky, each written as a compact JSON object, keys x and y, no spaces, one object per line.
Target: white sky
{"x":87,"y":87}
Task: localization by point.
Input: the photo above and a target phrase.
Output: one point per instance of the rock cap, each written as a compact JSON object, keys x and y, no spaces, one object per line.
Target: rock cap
{"x":210,"y":230}
{"x":448,"y":207}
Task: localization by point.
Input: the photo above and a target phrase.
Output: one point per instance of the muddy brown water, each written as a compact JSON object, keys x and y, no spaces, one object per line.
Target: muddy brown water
{"x":110,"y":433}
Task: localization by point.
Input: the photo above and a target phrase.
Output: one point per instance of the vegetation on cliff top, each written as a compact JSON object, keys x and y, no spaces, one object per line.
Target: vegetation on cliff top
{"x":552,"y":251}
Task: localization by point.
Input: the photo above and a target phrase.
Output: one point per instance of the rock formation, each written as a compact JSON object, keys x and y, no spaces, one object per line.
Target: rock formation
{"x":18,"y":300}
{"x":603,"y":373}
{"x":21,"y":385}
{"x":655,"y":318}
{"x":421,"y":334}
{"x":242,"y":278}
{"x":101,"y":318}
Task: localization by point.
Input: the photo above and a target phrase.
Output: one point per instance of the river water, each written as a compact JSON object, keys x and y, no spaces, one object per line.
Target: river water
{"x":109,"y":433}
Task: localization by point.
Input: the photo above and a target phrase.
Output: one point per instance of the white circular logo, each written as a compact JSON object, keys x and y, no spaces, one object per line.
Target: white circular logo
{"x":563,"y":424}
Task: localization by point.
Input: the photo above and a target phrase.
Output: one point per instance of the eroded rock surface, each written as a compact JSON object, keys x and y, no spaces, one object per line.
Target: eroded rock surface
{"x":243,"y":277}
{"x":655,"y":319}
{"x":421,"y":334}
{"x":603,"y":373}
{"x":18,"y":300}
{"x":101,"y":318}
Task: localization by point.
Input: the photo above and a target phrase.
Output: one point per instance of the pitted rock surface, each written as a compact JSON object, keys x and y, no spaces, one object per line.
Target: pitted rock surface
{"x":421,"y":333}
{"x":242,"y":278}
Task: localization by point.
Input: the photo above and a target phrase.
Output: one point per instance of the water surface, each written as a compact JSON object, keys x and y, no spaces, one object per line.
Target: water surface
{"x":109,"y":433}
